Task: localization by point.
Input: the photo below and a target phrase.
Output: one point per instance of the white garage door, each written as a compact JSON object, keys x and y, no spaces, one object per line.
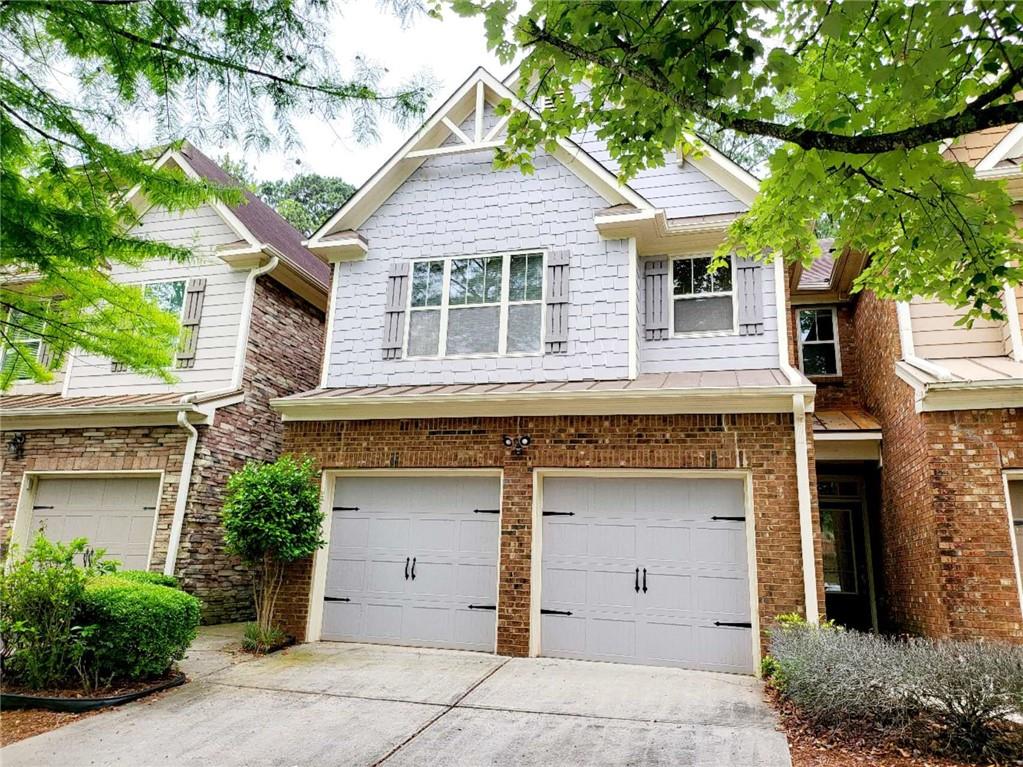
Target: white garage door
{"x":116,"y":514}
{"x":650,"y":571}
{"x":413,"y":561}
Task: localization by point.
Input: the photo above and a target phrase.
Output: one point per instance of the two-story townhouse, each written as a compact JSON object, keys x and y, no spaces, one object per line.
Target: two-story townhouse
{"x":138,"y":466}
{"x":918,"y":431}
{"x":545,"y":426}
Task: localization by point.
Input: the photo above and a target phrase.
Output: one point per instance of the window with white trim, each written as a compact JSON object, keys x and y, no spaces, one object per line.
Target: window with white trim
{"x":702,"y":300}
{"x":483,"y":305}
{"x":818,"y":342}
{"x":24,"y":331}
{"x":168,"y":295}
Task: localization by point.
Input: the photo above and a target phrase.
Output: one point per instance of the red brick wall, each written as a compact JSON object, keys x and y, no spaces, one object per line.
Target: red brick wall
{"x":284,"y":352}
{"x":947,"y":561}
{"x":156,"y":448}
{"x":764,"y":444}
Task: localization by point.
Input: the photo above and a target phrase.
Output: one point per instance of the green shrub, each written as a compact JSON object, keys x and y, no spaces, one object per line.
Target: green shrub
{"x":140,"y":628}
{"x":42,"y":631}
{"x":906,"y":689}
{"x":272,"y":517}
{"x":145,"y":576}
{"x":258,"y":640}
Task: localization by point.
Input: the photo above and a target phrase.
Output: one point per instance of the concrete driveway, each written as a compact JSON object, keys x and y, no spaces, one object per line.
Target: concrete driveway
{"x":353,"y":704}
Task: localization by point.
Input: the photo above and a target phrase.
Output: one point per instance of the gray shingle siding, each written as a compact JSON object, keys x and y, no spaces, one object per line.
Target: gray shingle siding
{"x":459,"y":205}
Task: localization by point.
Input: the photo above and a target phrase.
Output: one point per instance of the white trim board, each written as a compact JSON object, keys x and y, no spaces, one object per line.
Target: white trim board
{"x":1001,"y":150}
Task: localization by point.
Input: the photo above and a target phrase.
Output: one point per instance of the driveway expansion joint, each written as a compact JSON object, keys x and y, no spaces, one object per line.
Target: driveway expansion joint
{"x":448,"y":709}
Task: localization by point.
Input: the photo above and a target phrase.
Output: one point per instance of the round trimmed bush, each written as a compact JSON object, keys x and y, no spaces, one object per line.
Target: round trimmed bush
{"x":139,"y":629}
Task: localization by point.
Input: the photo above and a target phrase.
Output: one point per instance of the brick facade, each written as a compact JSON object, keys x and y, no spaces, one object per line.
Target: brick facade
{"x":946,"y":556}
{"x":284,"y":352}
{"x":763,"y":443}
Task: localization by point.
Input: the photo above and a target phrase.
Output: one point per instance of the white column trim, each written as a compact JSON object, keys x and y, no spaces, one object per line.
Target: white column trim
{"x":633,"y":325}
{"x":1011,"y":306}
{"x":806,"y":526}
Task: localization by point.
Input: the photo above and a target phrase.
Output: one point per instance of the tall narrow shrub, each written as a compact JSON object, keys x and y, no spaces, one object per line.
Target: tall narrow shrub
{"x":271,"y":518}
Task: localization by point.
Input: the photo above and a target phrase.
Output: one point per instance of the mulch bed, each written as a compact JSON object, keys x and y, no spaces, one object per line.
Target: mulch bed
{"x":77,"y":692}
{"x":812,"y":748}
{"x":19,"y":724}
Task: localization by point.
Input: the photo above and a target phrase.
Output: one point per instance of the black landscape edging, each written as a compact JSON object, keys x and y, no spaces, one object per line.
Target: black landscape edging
{"x":81,"y":705}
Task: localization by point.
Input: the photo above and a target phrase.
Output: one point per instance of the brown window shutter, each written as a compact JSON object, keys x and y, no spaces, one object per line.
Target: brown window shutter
{"x":749,"y":292}
{"x":556,"y":335}
{"x":656,"y":299}
{"x":394,"y":310}
{"x":195,"y":291}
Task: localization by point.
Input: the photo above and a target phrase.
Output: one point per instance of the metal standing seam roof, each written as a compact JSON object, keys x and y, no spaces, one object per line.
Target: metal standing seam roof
{"x":645,"y":382}
{"x":969,"y":369}
{"x":44,"y":402}
{"x":848,"y":419}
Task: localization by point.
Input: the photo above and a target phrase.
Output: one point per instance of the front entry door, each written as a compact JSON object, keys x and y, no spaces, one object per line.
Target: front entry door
{"x":847,"y":586}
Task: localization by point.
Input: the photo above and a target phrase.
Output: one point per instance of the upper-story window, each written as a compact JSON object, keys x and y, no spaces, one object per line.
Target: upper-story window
{"x":702,"y":300}
{"x":169,"y":296}
{"x":482,"y":305}
{"x":818,"y":342}
{"x":25,"y":330}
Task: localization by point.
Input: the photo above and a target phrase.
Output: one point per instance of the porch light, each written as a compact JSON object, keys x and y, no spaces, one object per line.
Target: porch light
{"x":16,"y":445}
{"x":517,"y":444}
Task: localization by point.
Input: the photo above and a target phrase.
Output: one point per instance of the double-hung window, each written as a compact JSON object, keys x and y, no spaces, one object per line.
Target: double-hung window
{"x":25,"y":333}
{"x":702,"y":300}
{"x":818,"y":342}
{"x":484,"y":305}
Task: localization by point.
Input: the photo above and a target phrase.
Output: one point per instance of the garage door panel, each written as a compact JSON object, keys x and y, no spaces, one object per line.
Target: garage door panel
{"x":614,"y":539}
{"x":350,"y":574}
{"x":475,"y":581}
{"x":381,"y":621}
{"x":431,"y":534}
{"x":340,"y":618}
{"x":385,"y":575}
{"x":478,"y":536}
{"x":387,"y":533}
{"x":723,"y":596}
{"x":695,"y":572}
{"x":666,"y":642}
{"x":476,"y":629}
{"x":668,"y":591}
{"x":664,"y":542}
{"x":720,"y":546}
{"x":347,"y":532}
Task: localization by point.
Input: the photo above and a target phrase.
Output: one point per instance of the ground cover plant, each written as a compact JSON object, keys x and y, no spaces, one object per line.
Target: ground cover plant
{"x":955,"y":698}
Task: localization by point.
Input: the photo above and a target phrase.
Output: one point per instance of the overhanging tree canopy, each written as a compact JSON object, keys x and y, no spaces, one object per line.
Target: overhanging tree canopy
{"x":72,"y":74}
{"x":861,"y":95}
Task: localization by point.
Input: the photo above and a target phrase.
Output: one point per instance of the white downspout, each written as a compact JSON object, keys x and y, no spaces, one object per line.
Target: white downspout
{"x":185,"y":481}
{"x":802,"y":448}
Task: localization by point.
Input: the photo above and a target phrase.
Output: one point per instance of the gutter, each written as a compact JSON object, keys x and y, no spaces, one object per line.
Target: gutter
{"x":185,"y":480}
{"x":799,"y":410}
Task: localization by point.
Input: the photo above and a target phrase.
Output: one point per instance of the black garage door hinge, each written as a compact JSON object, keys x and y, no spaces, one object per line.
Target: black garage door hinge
{"x":1017,"y":522}
{"x":734,"y":625}
{"x":345,"y":508}
{"x":482,"y":607}
{"x":559,"y":513}
{"x":486,"y":511}
{"x":36,"y":508}
{"x":336,"y":599}
{"x":555,"y":612}
{"x":729,"y":519}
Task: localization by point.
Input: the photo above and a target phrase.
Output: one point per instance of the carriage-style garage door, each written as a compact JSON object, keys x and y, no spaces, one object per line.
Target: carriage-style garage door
{"x":646,"y":570}
{"x":113,"y":513}
{"x":413,"y":561}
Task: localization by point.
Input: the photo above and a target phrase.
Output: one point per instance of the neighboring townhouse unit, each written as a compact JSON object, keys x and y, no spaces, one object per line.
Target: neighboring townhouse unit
{"x":138,"y":466}
{"x":919,"y":443}
{"x":545,"y":427}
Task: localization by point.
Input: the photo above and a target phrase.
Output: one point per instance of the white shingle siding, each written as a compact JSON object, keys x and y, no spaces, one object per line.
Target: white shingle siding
{"x":461,"y":206}
{"x":202,"y":230}
{"x":719,"y":352}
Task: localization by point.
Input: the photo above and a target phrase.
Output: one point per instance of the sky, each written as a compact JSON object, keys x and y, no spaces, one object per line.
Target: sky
{"x":449,"y":50}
